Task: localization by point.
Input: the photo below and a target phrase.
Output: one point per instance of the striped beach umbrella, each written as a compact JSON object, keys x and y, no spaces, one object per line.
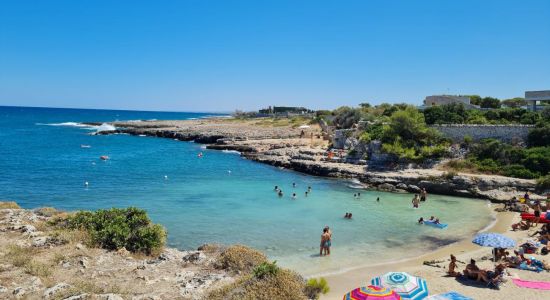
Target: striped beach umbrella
{"x":449,"y":296}
{"x":407,"y":286}
{"x":372,"y":293}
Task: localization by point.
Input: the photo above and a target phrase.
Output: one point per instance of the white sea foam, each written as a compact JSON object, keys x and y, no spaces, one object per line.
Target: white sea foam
{"x":231,"y":151}
{"x":102,"y":127}
{"x":105,"y":127}
{"x":69,"y":124}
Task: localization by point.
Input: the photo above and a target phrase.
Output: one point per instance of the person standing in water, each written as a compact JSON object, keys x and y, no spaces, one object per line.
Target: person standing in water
{"x":378,"y":199}
{"x":415,"y":201}
{"x":423,"y":194}
{"x":324,"y":239}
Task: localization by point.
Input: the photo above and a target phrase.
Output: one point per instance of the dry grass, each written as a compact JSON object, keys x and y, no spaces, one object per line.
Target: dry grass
{"x":72,"y":236}
{"x":47,"y":211}
{"x":284,"y":285}
{"x":38,"y":269}
{"x":239,"y":259}
{"x":9,"y":204}
{"x":81,"y":287}
{"x":19,"y":256}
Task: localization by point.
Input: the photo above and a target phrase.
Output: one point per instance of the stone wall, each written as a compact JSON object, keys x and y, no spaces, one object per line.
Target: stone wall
{"x":507,"y":133}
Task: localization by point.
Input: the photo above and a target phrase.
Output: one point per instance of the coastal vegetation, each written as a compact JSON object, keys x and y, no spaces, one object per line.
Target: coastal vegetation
{"x":116,"y":228}
{"x":405,"y":135}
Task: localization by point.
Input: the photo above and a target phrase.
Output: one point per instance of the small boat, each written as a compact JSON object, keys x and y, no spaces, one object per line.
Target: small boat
{"x":85,"y":146}
{"x":104,"y":157}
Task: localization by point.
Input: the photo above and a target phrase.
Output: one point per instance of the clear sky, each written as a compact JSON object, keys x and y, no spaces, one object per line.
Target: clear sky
{"x":223,"y":55}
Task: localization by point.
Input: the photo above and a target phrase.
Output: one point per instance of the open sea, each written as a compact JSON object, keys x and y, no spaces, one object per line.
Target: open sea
{"x":219,"y":198}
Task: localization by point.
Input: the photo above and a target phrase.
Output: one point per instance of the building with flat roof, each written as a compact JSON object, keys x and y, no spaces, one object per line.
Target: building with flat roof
{"x":437,"y":100}
{"x":532,"y":97}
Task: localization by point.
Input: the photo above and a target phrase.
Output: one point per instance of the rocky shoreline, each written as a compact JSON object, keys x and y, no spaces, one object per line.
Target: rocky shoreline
{"x":304,"y":151}
{"x":38,"y":261}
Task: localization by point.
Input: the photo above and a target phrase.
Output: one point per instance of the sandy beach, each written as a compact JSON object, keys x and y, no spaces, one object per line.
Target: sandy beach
{"x":436,"y":277}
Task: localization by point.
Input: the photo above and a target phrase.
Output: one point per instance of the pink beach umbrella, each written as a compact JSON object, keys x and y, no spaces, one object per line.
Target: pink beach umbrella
{"x":372,"y":293}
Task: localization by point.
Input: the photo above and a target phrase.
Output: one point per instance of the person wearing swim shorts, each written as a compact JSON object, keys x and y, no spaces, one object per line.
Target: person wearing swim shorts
{"x":324,"y":241}
{"x":537,"y":209}
{"x":423,"y":195}
{"x":415,"y":201}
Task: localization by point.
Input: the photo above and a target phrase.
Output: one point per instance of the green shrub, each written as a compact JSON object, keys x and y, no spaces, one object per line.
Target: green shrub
{"x":518,"y":171}
{"x":239,"y":259}
{"x":316,"y":287}
{"x":539,"y":137}
{"x":116,"y":228}
{"x":365,"y":137}
{"x":468,"y":140}
{"x":543,"y":182}
{"x":266,"y":269}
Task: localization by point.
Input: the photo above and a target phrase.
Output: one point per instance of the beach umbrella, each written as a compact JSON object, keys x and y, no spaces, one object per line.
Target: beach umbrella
{"x":407,"y":286}
{"x":449,"y":296}
{"x":494,"y":240}
{"x":372,"y":293}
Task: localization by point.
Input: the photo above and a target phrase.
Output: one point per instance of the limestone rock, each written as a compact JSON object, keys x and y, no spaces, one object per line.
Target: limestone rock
{"x":54,"y":290}
{"x":109,"y":297}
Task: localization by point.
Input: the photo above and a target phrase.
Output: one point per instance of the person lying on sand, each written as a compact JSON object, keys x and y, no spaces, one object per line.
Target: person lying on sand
{"x":514,"y":261}
{"x":523,"y":225}
{"x":452,"y":267}
{"x":493,"y":276}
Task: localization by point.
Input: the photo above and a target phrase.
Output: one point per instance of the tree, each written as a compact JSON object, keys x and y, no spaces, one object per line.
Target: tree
{"x":408,"y":137}
{"x":475,"y":99}
{"x":490,"y":102}
{"x":515,"y":102}
{"x":453,"y":113}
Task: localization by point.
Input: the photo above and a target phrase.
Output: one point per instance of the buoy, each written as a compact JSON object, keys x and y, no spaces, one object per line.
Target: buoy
{"x":104,"y":157}
{"x":86,"y":183}
{"x":165,"y":176}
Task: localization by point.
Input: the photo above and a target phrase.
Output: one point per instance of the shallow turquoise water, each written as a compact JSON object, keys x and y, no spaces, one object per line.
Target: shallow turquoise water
{"x":201,"y":202}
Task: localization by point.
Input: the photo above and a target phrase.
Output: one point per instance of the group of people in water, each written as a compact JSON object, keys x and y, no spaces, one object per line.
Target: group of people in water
{"x":419,"y":198}
{"x":432,"y":219}
{"x":279,"y":191}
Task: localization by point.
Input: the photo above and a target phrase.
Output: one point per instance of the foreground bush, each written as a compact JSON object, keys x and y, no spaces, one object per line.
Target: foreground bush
{"x":285,"y":284}
{"x":316,"y":287}
{"x":240,"y":259}
{"x":9,"y":204}
{"x":116,"y":228}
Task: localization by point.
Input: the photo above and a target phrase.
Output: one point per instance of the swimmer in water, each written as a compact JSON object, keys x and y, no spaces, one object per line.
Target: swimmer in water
{"x":358,"y":195}
{"x":280,"y":193}
{"x":276,"y":189}
{"x":306,"y":193}
{"x":354,"y":195}
{"x":294,"y":184}
{"x":421,"y":220}
{"x":378,"y":199}
{"x":293,"y":195}
{"x":86,"y":183}
{"x":309,"y":188}
{"x":165,"y":177}
{"x":200,"y":154}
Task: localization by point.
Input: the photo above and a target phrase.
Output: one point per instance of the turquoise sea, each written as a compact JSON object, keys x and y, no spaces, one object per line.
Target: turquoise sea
{"x":219,"y":198}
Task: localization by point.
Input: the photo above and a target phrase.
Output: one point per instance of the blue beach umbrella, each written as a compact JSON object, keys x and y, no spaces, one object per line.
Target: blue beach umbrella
{"x":494,"y":240}
{"x":407,"y":286}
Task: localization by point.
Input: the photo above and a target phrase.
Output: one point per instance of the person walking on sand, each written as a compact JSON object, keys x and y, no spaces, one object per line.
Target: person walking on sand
{"x":415,"y":201}
{"x":423,"y":194}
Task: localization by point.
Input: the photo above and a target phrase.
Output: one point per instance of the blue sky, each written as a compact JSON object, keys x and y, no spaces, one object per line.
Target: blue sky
{"x":224,"y":55}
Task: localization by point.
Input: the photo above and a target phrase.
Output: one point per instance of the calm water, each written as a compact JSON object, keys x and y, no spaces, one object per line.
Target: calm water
{"x":42,"y":164}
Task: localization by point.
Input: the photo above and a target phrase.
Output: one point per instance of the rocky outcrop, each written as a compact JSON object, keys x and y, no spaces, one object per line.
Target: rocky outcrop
{"x":283,"y":147}
{"x":70,"y":270}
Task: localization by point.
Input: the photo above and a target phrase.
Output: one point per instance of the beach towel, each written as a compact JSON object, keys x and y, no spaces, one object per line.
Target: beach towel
{"x":449,"y":296}
{"x":539,"y":285}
